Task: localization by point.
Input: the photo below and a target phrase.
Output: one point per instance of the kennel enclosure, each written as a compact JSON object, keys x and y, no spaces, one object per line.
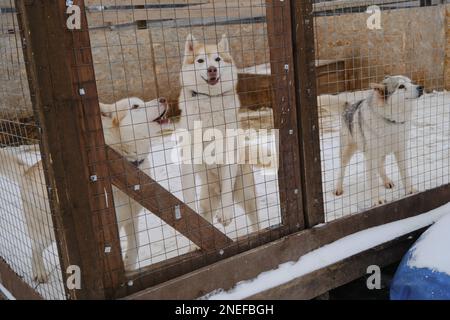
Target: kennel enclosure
{"x":288,"y":54}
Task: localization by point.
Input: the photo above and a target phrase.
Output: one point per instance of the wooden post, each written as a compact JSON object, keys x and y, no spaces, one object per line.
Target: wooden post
{"x":307,"y":113}
{"x":284,"y":110}
{"x":446,"y":9}
{"x":64,"y":95}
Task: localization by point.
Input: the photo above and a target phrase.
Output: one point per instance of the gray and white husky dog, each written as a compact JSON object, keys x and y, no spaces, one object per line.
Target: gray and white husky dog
{"x":378,"y":126}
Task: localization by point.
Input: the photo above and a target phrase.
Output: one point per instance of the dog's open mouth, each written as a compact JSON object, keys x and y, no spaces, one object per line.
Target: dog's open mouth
{"x":162,"y":119}
{"x":212,"y":81}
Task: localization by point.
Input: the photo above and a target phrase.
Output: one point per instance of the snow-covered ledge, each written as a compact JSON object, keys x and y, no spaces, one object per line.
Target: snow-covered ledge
{"x":6,"y":293}
{"x":329,"y":254}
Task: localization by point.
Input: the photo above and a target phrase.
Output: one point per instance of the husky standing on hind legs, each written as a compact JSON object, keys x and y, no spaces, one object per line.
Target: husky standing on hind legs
{"x":209,"y":80}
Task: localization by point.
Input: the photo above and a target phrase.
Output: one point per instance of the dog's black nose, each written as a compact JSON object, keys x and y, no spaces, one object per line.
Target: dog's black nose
{"x":420,"y":90}
{"x":212,"y":70}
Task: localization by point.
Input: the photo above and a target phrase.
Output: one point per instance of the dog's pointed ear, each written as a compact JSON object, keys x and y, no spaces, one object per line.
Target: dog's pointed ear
{"x":190,"y":44}
{"x":224,"y":44}
{"x":189,"y":48}
{"x":379,"y":88}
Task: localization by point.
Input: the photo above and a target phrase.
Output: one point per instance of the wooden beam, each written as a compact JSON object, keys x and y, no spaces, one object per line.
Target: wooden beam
{"x":225,"y":274}
{"x":307,"y":111}
{"x":165,"y":14}
{"x":284,"y":111}
{"x":159,"y":201}
{"x":64,"y":96}
{"x":424,"y":3}
{"x":15,"y":284}
{"x":338,"y":274}
{"x":179,"y":266}
{"x":350,"y":4}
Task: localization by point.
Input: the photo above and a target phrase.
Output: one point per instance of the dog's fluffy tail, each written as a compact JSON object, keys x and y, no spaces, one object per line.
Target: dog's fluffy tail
{"x":12,"y":164}
{"x":330,"y":108}
{"x":331,"y":104}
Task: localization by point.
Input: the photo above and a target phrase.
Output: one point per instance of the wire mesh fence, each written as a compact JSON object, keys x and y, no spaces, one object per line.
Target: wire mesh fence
{"x":190,"y":127}
{"x":161,"y":70}
{"x":388,"y":133}
{"x":189,"y":64}
{"x":26,"y":228}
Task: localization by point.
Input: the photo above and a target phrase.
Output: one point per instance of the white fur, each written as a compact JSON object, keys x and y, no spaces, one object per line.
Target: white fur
{"x":381,"y":128}
{"x":127,"y":125}
{"x":217,"y":107}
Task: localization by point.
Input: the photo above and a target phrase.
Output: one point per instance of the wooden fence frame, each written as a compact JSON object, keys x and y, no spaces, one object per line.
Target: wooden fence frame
{"x":245,"y":266}
{"x":15,"y":284}
{"x":66,"y":106}
{"x":65,"y":100}
{"x":64,"y":96}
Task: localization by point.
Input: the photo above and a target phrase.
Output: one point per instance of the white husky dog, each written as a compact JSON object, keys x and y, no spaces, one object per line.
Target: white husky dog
{"x":127,"y":126}
{"x":378,"y":126}
{"x":209,"y":80}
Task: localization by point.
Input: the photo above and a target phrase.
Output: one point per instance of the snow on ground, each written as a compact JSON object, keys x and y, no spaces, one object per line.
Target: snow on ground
{"x":428,"y":156}
{"x":158,"y":241}
{"x":5,"y":293}
{"x":15,"y":244}
{"x":429,"y":164}
{"x":334,"y":252}
{"x":431,"y":251}
{"x":163,"y":242}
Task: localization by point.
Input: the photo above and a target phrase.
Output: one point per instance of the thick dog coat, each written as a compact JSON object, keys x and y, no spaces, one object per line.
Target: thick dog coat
{"x":379,"y":126}
{"x":127,"y":126}
{"x":209,"y":80}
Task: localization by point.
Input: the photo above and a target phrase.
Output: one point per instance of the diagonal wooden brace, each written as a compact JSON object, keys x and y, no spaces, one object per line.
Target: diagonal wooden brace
{"x":152,"y":196}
